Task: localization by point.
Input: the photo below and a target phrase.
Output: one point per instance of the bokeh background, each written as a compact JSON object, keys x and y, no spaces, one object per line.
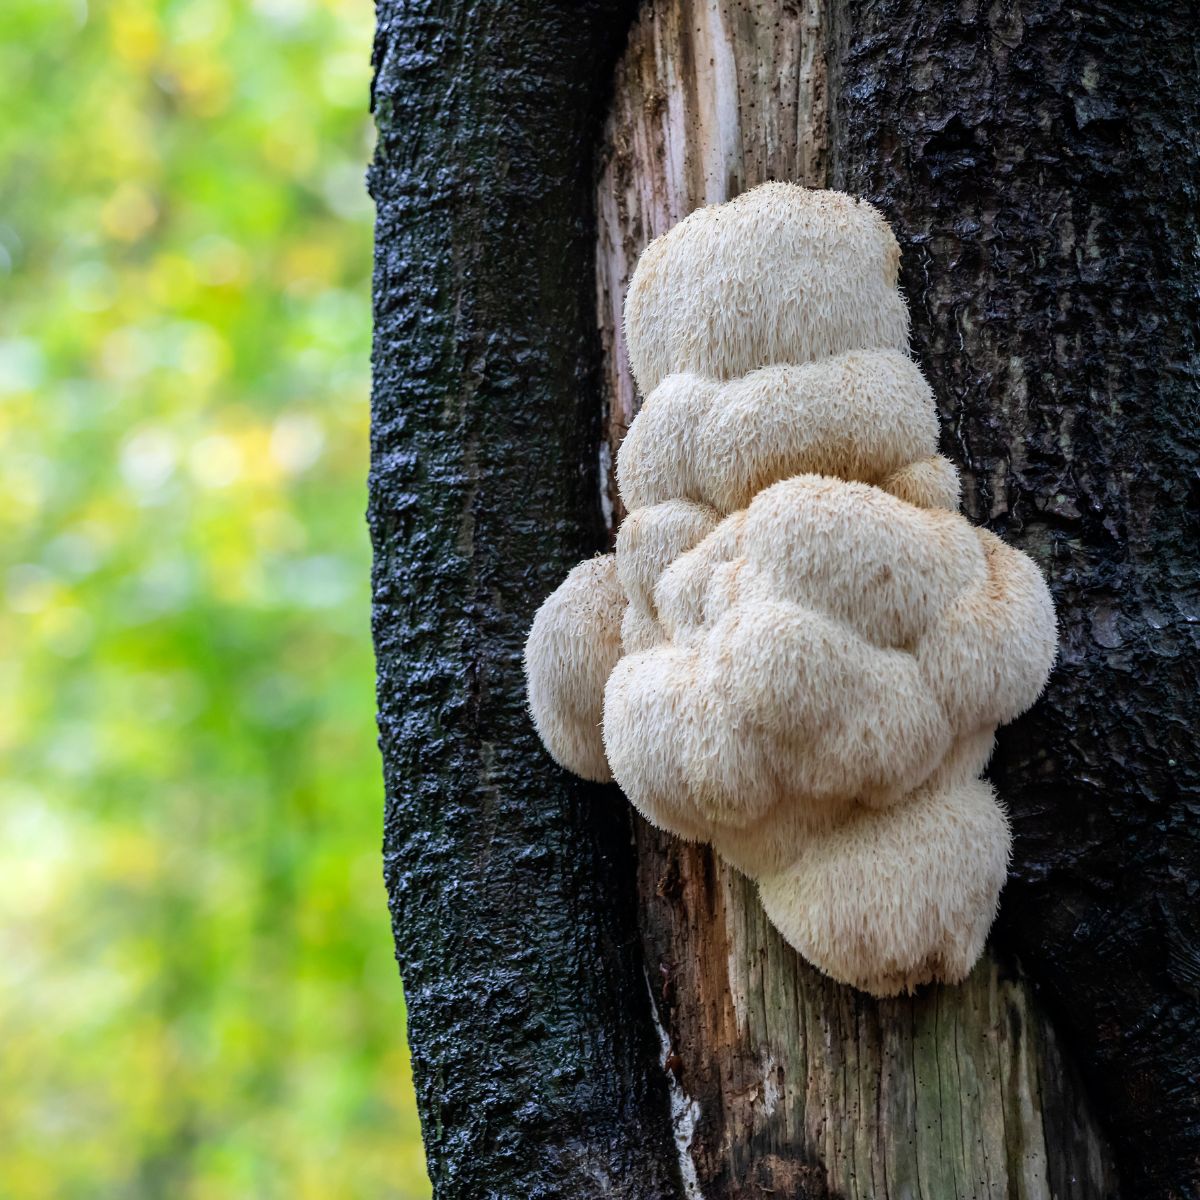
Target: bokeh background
{"x":197,"y":992}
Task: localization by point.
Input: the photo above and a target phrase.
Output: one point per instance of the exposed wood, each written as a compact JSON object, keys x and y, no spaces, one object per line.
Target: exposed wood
{"x":718,"y":97}
{"x":807,"y":1088}
{"x":785,"y":1083}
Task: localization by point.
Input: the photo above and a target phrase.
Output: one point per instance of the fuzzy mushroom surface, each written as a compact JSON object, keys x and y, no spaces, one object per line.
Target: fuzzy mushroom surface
{"x":800,"y":650}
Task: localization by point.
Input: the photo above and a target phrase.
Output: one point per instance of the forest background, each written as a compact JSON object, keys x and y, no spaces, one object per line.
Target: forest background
{"x":198,"y":997}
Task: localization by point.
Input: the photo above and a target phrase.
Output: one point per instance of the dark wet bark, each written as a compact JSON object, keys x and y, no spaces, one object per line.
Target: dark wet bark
{"x":511,"y":885}
{"x":1039,"y":164}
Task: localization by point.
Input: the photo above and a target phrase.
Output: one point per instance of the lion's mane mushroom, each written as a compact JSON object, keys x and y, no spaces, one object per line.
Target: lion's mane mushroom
{"x":800,"y":651}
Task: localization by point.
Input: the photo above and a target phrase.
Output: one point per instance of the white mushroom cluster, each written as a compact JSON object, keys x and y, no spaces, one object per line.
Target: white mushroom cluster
{"x":800,"y":651}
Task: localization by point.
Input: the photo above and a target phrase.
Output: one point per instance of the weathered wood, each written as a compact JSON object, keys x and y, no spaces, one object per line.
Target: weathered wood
{"x":719,"y":97}
{"x":786,"y":1083}
{"x":808,"y":1088}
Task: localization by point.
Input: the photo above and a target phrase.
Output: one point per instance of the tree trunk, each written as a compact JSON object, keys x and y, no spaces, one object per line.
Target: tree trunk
{"x":511,"y":886}
{"x":1044,"y":208}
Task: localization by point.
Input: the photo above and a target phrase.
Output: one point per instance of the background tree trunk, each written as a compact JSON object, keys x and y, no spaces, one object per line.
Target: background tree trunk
{"x":1040,"y":173}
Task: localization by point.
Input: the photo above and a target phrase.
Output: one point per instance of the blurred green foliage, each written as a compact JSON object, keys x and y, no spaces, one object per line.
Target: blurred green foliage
{"x":197,"y":991}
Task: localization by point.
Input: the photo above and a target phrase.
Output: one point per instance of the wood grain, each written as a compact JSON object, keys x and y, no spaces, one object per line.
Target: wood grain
{"x":709,"y":99}
{"x":785,"y":1083}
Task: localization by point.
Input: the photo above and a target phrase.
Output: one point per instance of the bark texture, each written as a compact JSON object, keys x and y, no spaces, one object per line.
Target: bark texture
{"x":1040,"y":166}
{"x":784,"y":1082}
{"x":511,"y":885}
